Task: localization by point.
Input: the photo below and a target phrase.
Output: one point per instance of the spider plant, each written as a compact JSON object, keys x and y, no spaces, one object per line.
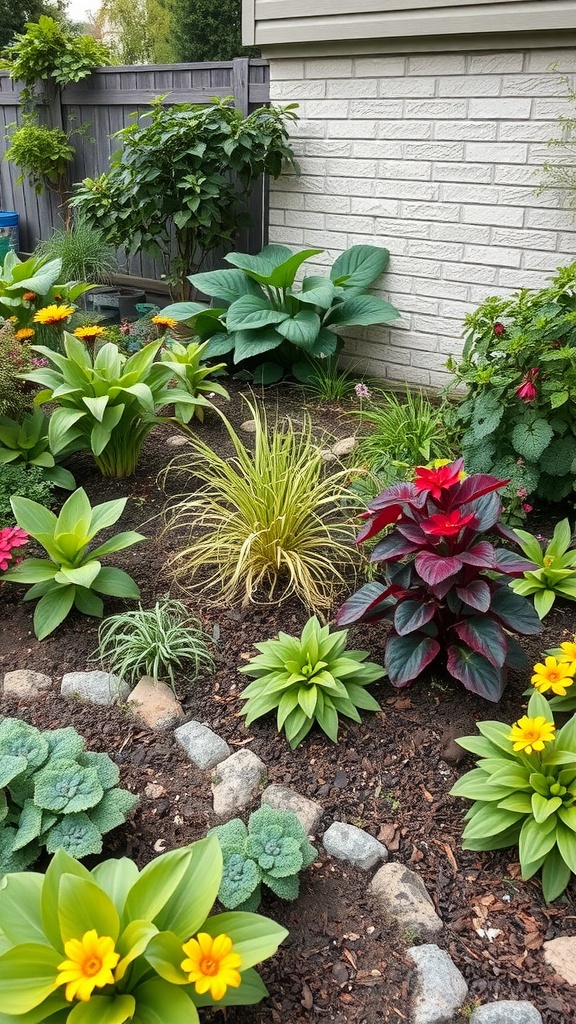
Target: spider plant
{"x":154,"y":642}
{"x":264,"y":524}
{"x":406,"y":429}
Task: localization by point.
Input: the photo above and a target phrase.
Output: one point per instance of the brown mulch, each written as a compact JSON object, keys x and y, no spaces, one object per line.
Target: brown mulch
{"x":390,"y":775}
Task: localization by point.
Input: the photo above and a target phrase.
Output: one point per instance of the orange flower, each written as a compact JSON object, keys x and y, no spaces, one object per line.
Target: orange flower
{"x":89,"y":333}
{"x":53,"y":314}
{"x":29,"y":296}
{"x":164,"y":321}
{"x":24,"y":333}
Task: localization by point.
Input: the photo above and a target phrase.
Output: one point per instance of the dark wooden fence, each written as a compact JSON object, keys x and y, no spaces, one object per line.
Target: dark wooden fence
{"x":103,"y":104}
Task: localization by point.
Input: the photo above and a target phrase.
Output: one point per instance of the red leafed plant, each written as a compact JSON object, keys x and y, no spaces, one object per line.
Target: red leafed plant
{"x":442,"y":586}
{"x":10,"y":537}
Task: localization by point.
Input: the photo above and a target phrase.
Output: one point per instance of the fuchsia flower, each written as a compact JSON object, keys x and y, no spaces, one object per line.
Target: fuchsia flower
{"x":498,"y":329}
{"x":446,"y":524}
{"x":10,"y":537}
{"x":522,"y":492}
{"x":437,"y":480}
{"x":526,"y":507}
{"x":526,"y":390}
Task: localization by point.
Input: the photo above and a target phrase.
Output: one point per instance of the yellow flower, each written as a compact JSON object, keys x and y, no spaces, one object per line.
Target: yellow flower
{"x":53,"y":314}
{"x":90,"y":963}
{"x":553,"y":675}
{"x":211,"y":964}
{"x":568,"y":650}
{"x":24,"y":333}
{"x":164,"y":321}
{"x":528,"y":734}
{"x":89,"y":333}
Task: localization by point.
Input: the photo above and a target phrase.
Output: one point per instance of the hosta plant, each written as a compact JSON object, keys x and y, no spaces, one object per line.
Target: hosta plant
{"x":554,"y":572}
{"x":194,"y":377}
{"x":110,"y":401}
{"x":265,"y":312}
{"x":33,"y":284}
{"x":155,"y":642}
{"x":26,"y":443}
{"x":117,"y":944}
{"x":307,"y":679}
{"x":54,"y":794}
{"x":441,"y":584}
{"x":271,"y":851}
{"x":72,"y":575}
{"x":524,"y":793}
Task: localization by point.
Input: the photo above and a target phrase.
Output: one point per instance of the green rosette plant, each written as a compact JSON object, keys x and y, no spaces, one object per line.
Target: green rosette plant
{"x":117,"y":944}
{"x":111,"y":401}
{"x":554,"y":573}
{"x":271,"y":851}
{"x":194,"y":377}
{"x":54,"y":794}
{"x":308,"y":679}
{"x":524,"y":793}
{"x":26,"y":443}
{"x":72,"y":575}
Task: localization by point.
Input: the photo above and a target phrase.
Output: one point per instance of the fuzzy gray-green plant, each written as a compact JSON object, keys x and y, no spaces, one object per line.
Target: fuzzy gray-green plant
{"x":271,"y":851}
{"x":54,"y":794}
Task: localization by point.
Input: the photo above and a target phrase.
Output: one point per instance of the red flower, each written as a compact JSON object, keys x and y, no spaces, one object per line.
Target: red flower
{"x":526,"y":390}
{"x":437,"y":480}
{"x":10,"y":537}
{"x":498,"y":329}
{"x":446,"y":524}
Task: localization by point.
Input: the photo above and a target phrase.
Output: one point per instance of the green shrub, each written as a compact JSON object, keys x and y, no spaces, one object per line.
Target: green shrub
{"x":271,"y":851}
{"x":72,"y":575}
{"x":266,"y":520}
{"x":54,"y":794}
{"x":15,"y":395}
{"x":554,"y":572}
{"x":26,"y":443}
{"x":404,"y":430}
{"x":518,"y":420}
{"x":308,"y":679}
{"x":154,"y":642}
{"x":524,"y":793}
{"x":24,"y":482}
{"x":43,"y":155}
{"x":193,"y":377}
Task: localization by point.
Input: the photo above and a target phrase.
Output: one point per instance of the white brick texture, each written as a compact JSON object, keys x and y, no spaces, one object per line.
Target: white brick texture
{"x":438,"y":158}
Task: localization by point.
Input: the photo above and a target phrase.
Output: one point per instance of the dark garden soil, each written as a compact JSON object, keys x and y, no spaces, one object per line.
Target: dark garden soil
{"x":390,"y":775}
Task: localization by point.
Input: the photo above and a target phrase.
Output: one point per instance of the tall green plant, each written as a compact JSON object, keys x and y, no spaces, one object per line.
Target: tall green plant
{"x":85,"y":253}
{"x":189,"y":168}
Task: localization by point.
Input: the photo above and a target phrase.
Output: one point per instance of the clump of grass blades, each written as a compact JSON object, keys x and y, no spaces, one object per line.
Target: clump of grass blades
{"x":154,"y":642}
{"x":264,"y":524}
{"x":324,"y":379}
{"x":409,"y":429}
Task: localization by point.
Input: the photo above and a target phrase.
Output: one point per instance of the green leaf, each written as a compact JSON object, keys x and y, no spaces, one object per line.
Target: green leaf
{"x":317,"y":291}
{"x":82,"y":905}
{"x":251,"y":991}
{"x":359,"y":266}
{"x":530,"y":438}
{"x":251,"y":312}
{"x":103,"y":1010}
{"x":254,"y":937}
{"x":32,"y":517}
{"x":302,"y":330}
{"x":117,"y":543}
{"x":200,"y":884}
{"x":156,"y":884}
{"x":83,"y":576}
{"x":51,"y":610}
{"x":116,"y":583}
{"x":558,"y":398}
{"x":20,"y":908}
{"x":182,"y":311}
{"x":31,"y":570}
{"x":158,"y":1002}
{"x":361,"y":310}
{"x":253,"y":343}
{"x":116,"y":877}
{"x":555,"y":876}
{"x":27,"y":976}
{"x":227,"y":285}
{"x":164,"y":954}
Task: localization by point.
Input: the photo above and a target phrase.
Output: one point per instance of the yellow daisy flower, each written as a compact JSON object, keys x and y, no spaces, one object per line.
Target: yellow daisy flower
{"x":164,"y":321}
{"x":530,"y":734}
{"x":211,"y":965}
{"x":568,"y":650}
{"x":90,"y":963}
{"x":553,"y":675}
{"x":53,"y":314}
{"x":24,"y":333}
{"x":89,"y":333}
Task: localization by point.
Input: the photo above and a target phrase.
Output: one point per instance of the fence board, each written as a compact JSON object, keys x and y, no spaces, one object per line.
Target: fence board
{"x":102,"y":105}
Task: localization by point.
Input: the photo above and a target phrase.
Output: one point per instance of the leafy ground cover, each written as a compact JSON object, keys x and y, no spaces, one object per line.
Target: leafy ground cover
{"x":391,"y":775}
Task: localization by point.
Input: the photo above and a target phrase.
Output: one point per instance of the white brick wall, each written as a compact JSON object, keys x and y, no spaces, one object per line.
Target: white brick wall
{"x":437,"y":157}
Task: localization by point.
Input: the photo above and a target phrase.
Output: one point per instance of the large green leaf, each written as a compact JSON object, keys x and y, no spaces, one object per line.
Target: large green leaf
{"x":117,"y":543}
{"x":254,"y":937}
{"x":116,"y":877}
{"x":182,"y":311}
{"x":302,"y":330}
{"x":27,"y":976}
{"x":62,"y":428}
{"x":116,"y":583}
{"x":189,"y":905}
{"x":132,"y":943}
{"x":82,"y":906}
{"x":158,"y":1002}
{"x":31,"y":570}
{"x":262,"y":267}
{"x":251,"y":312}
{"x":103,"y":1010}
{"x":164,"y":953}
{"x":83,"y":576}
{"x":227,"y":285}
{"x":20,"y":908}
{"x":156,"y":884}
{"x":75,"y":517}
{"x":106,"y":514}
{"x":361,"y":310}
{"x":51,"y":610}
{"x":253,"y":343}
{"x":531,"y":437}
{"x":317,"y":291}
{"x":33,"y":517}
{"x":359,"y":266}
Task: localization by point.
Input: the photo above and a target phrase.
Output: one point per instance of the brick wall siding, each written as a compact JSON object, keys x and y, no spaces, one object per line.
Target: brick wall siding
{"x":437,"y":157}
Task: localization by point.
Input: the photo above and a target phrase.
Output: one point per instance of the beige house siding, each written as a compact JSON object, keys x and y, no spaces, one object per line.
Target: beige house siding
{"x":361,"y":23}
{"x":436,"y":156}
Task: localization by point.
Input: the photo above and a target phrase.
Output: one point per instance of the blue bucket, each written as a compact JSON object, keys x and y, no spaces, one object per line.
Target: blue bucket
{"x":9,"y":237}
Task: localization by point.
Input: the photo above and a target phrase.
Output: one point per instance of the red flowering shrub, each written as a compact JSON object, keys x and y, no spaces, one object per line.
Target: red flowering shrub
{"x":443,"y":587}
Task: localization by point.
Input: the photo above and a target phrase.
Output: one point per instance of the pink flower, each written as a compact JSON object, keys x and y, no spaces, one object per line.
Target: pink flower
{"x":521,"y":492}
{"x":362,"y":391}
{"x":526,"y":507}
{"x":526,"y":390}
{"x":125,"y":326}
{"x":10,"y":537}
{"x":499,"y":329}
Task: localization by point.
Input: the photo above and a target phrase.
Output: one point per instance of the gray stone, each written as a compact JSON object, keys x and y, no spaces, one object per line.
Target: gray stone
{"x":437,"y":987}
{"x":506,"y":1012}
{"x":404,"y":897}
{"x":354,"y":845}
{"x":561,"y":955}
{"x":95,"y":687}
{"x":177,"y":440}
{"x":204,"y":747}
{"x":308,"y":812}
{"x":345,"y":446}
{"x":236,"y":781}
{"x":154,"y":705}
{"x":249,"y":426}
{"x":25,"y":683}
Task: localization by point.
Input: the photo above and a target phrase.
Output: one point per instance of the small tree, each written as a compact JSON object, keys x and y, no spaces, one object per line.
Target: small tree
{"x":187,"y":167}
{"x":207,"y":30}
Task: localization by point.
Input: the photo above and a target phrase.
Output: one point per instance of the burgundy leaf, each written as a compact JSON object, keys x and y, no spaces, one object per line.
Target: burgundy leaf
{"x":392,"y":547}
{"x":435,"y":568}
{"x":407,"y":656}
{"x":481,"y":554}
{"x":476,"y":673}
{"x":487,"y":510}
{"x":476,"y":594}
{"x":412,"y":532}
{"x":512,"y":564}
{"x":507,"y":532}
{"x":412,"y":615}
{"x":484,"y":635}
{"x":365,"y":601}
{"x":515,"y":613}
{"x":397,"y":493}
{"x":378,"y":521}
{"x":474,"y":487}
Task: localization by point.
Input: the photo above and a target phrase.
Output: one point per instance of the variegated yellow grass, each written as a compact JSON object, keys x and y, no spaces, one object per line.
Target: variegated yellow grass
{"x":265,"y":524}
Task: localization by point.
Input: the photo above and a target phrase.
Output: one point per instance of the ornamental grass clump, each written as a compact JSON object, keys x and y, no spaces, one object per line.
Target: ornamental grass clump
{"x":442,"y":586}
{"x":264,"y":523}
{"x":155,"y":642}
{"x":54,"y":794}
{"x":117,"y":944}
{"x":554,"y":572}
{"x":524,"y":793}
{"x":308,"y":679}
{"x":271,"y":851}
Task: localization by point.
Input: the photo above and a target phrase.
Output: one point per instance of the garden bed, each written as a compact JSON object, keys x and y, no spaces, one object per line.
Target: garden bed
{"x":390,"y":775}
